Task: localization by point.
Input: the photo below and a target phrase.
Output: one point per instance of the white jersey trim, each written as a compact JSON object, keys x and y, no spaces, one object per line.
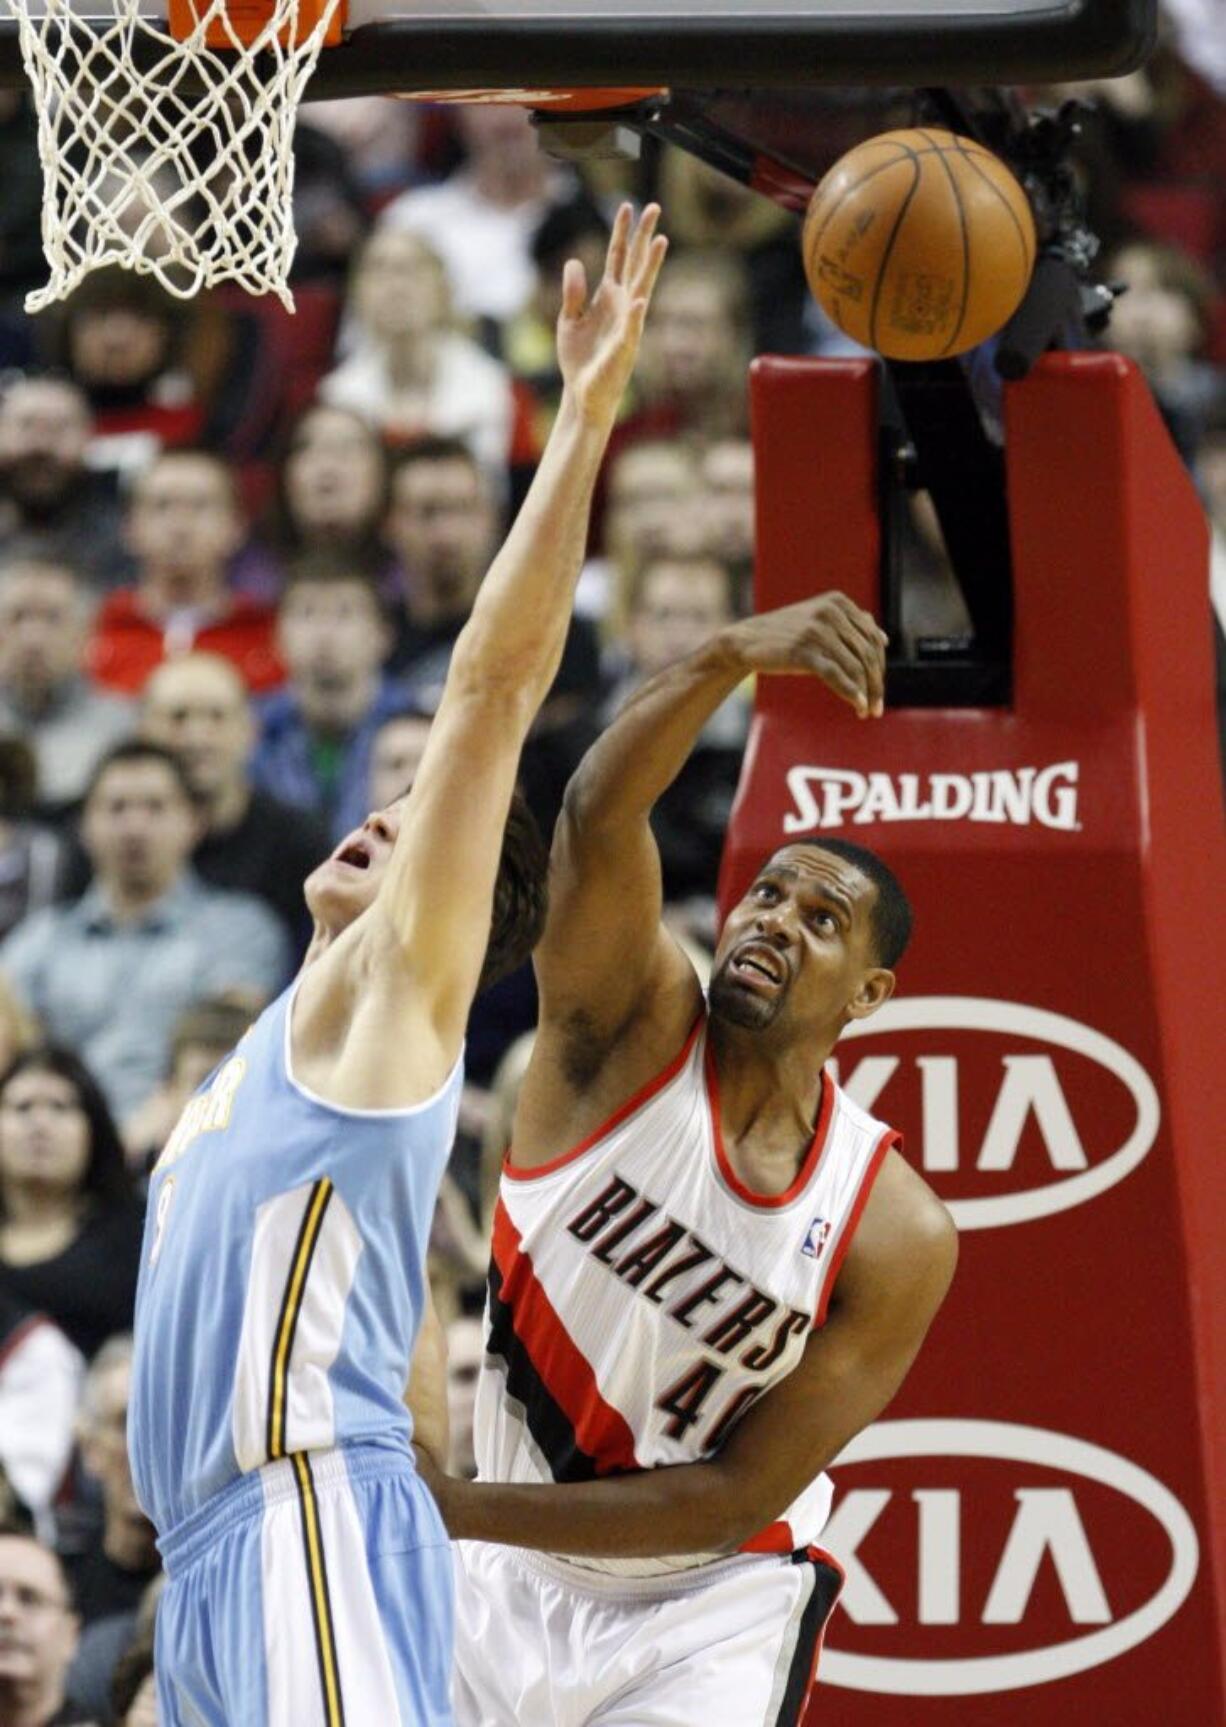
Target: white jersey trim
{"x":622,"y":1113}
{"x":890,"y":1138}
{"x":343,"y":1109}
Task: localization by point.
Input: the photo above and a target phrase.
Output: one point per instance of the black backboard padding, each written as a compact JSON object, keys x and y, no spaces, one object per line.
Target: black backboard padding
{"x":1079,"y":39}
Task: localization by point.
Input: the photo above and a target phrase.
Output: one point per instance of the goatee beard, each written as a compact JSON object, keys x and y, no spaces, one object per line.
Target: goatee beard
{"x":738,"y":1006}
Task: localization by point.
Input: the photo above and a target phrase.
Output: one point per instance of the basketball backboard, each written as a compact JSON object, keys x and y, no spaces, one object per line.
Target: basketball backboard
{"x":530,"y":45}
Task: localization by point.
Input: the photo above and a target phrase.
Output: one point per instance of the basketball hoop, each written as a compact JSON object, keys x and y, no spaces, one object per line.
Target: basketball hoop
{"x":168,"y":149}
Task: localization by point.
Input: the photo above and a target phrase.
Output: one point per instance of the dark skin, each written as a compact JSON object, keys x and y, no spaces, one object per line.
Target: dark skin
{"x":797,"y":961}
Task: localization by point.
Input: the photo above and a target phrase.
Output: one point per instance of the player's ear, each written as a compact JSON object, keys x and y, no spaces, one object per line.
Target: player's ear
{"x":874,"y":990}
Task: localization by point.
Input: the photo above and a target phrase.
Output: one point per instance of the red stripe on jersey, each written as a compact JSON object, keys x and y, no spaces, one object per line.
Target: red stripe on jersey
{"x":775,"y":1538}
{"x":615,"y":1120}
{"x":888,"y":1138}
{"x":770,"y":1201}
{"x":601,"y":1431}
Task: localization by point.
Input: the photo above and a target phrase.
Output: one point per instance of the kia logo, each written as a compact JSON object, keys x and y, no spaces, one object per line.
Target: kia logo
{"x":1029,"y":1090}
{"x":1046,"y":1524}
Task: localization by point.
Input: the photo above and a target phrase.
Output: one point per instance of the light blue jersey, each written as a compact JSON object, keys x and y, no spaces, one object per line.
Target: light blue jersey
{"x":282,"y":1278}
{"x":281,"y":1291}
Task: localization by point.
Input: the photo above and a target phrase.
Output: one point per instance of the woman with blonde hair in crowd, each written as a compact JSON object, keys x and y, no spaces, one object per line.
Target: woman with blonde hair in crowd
{"x":410,"y":370}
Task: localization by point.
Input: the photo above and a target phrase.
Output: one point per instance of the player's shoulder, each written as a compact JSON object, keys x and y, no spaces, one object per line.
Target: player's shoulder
{"x":908,"y":1210}
{"x":906,"y":1220}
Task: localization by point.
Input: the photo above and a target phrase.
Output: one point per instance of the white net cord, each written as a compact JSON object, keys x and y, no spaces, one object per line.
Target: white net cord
{"x":167,"y":157}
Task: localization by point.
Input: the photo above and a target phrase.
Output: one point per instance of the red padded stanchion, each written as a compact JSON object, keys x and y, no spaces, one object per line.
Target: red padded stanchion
{"x":1028,"y":1533}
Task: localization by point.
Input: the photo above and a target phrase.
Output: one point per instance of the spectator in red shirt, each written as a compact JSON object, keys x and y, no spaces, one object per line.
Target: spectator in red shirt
{"x":183,"y":526}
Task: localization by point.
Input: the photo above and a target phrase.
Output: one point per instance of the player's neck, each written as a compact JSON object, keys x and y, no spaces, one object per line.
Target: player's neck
{"x":321,"y":940}
{"x":768,"y":1089}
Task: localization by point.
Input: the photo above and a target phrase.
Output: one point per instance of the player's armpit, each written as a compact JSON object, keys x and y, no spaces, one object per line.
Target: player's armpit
{"x":605,"y":954}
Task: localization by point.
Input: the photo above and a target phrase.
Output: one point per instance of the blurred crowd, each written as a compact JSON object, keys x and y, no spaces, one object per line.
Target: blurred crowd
{"x":236,"y":549}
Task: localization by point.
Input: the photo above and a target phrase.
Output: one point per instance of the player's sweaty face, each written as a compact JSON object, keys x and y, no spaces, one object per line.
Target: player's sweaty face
{"x":795,"y":948}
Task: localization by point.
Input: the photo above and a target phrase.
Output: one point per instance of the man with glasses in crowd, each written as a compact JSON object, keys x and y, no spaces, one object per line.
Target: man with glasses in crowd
{"x":38,"y":1634}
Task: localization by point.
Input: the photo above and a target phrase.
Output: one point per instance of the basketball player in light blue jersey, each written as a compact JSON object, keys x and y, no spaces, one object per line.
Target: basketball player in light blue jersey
{"x":283,"y":1275}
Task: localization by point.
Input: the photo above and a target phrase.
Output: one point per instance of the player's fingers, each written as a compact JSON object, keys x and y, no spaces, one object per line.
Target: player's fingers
{"x":619,"y":240}
{"x":645,"y":281}
{"x":640,"y":243}
{"x":834,"y":652}
{"x":864,"y":623}
{"x":871,"y":654}
{"x":868,"y":641}
{"x":836,"y":677}
{"x":636,"y":314}
{"x":574,"y":289}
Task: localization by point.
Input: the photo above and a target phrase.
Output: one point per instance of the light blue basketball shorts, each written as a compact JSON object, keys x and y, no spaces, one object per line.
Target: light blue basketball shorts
{"x":315,"y":1592}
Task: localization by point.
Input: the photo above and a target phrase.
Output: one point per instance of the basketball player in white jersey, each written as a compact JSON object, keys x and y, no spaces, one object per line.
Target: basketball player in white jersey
{"x":710,"y":1267}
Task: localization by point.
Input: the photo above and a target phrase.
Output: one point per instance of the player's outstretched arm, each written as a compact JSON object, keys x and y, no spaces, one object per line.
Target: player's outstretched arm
{"x":604,"y":959}
{"x":889,"y":1290}
{"x":421,"y":948}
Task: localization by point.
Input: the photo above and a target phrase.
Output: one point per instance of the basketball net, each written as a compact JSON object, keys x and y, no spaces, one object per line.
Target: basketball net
{"x":168,"y":150}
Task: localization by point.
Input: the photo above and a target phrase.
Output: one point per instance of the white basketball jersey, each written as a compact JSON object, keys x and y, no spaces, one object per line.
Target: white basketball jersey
{"x":641,"y":1298}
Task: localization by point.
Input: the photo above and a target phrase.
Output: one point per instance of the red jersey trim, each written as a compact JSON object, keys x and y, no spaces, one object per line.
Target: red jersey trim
{"x":777,"y":1537}
{"x":817,"y":1145}
{"x":642,"y":1096}
{"x":889,"y":1138}
{"x":600,"y":1430}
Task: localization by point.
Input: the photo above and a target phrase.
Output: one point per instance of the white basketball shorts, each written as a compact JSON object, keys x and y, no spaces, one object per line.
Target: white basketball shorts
{"x":734,"y":1644}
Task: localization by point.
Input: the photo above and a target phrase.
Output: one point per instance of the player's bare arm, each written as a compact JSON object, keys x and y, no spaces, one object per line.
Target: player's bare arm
{"x":382,"y":1008}
{"x":888,"y":1292}
{"x":615,"y":988}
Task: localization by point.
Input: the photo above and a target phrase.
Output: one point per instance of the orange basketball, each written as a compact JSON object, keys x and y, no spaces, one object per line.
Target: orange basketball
{"x":919,"y":244}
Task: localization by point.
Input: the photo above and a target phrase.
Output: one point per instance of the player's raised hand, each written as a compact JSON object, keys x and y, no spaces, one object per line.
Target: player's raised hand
{"x":598,"y":335}
{"x":828,"y":637}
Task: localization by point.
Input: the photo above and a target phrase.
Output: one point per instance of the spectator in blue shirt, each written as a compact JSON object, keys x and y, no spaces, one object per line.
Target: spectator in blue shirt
{"x":110,"y":974}
{"x":316,"y":733}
